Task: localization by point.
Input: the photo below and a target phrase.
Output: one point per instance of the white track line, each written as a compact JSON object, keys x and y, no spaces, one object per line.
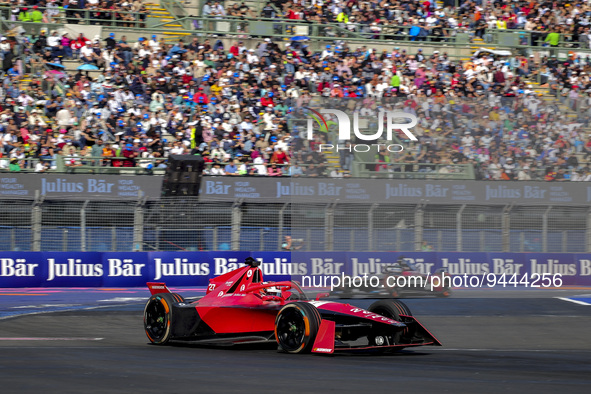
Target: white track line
{"x":500,"y":350}
{"x":49,"y":339}
{"x":573,"y":301}
{"x":60,"y":310}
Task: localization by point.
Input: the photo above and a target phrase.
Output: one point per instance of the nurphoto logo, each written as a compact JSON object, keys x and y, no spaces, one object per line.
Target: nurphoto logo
{"x":392,"y":120}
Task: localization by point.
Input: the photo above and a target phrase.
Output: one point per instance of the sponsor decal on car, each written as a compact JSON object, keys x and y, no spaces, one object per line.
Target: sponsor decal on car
{"x":371,"y":315}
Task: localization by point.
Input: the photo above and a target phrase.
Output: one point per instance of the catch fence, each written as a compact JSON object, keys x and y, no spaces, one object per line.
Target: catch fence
{"x":186,"y":224}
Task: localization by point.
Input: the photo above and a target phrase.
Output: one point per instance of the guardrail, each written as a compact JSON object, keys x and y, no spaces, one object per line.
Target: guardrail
{"x":113,"y":165}
{"x":404,"y":170}
{"x":157,"y":166}
{"x":76,"y":16}
{"x":255,"y":5}
{"x":284,"y":28}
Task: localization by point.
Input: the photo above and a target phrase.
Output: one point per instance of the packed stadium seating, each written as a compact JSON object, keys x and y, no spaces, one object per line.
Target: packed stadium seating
{"x":500,"y":88}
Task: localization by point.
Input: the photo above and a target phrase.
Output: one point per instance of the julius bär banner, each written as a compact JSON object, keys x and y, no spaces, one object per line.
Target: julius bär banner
{"x":302,"y":190}
{"x":352,"y":190}
{"x":130,"y":269}
{"x":70,"y":186}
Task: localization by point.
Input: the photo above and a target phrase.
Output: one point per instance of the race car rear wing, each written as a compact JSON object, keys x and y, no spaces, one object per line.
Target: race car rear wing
{"x":157,"y":287}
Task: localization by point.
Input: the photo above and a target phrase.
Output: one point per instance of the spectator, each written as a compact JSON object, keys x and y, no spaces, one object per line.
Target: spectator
{"x":231,"y":168}
{"x":14,"y":165}
{"x":36,"y":15}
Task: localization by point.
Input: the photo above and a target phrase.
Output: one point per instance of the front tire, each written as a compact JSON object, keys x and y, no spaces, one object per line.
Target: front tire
{"x":158,"y":317}
{"x":393,"y":309}
{"x":296,"y":327}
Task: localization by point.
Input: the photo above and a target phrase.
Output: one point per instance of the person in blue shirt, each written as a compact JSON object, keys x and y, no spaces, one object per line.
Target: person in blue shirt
{"x":231,"y":168}
{"x":177,"y":49}
{"x":296,"y":170}
{"x":414,"y":32}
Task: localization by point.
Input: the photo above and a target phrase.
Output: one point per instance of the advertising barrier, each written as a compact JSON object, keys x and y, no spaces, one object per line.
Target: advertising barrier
{"x":79,"y":186}
{"x":131,"y":269}
{"x":302,"y":190}
{"x":399,"y":191}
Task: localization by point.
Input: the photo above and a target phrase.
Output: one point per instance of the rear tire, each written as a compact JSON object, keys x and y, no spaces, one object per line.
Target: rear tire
{"x":158,"y":317}
{"x":296,"y":327}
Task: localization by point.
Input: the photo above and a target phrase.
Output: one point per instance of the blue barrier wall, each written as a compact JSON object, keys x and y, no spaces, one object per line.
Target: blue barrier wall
{"x":128,"y":269}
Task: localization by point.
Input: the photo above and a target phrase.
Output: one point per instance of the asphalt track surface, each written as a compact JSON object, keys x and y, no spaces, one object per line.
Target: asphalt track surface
{"x":493,"y":341}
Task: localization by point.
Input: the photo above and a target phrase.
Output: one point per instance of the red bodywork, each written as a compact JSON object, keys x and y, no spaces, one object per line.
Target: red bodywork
{"x":240,"y":307}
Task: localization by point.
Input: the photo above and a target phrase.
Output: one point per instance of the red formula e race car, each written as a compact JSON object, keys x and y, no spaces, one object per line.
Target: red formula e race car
{"x":240,"y":308}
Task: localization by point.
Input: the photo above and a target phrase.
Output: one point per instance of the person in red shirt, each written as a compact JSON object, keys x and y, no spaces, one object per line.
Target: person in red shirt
{"x":411,"y":103}
{"x":267,"y":100}
{"x":82,"y":41}
{"x":130,"y":155}
{"x":561,"y":143}
{"x":336,"y":91}
{"x":292,"y":14}
{"x":280,"y":157}
{"x":235,"y":49}
{"x":187,"y":79}
{"x":200,"y":97}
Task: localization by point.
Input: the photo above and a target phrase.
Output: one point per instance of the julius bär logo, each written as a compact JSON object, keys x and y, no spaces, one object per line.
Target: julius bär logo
{"x":390,"y":118}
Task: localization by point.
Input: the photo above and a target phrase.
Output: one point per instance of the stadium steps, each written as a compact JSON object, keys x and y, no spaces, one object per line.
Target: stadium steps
{"x":23,"y":84}
{"x":176,"y":33}
{"x":549,"y":98}
{"x":156,"y":10}
{"x":162,"y":18}
{"x":333,"y":161}
{"x":543,"y":92}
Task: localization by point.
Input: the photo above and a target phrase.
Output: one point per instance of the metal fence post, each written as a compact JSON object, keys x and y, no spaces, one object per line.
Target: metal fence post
{"x":64,"y":240}
{"x":545,"y":229}
{"x":329,"y":227}
{"x":370,"y":244}
{"x":280,"y":224}
{"x":138,"y":225}
{"x":459,"y":235}
{"x":83,"y":226}
{"x":36,"y":217}
{"x":588,"y":235}
{"x":506,"y":228}
{"x":13,"y":239}
{"x":482,"y":239}
{"x":236,"y":221}
{"x":114,"y":239}
{"x":419,"y":217}
{"x":215,"y":238}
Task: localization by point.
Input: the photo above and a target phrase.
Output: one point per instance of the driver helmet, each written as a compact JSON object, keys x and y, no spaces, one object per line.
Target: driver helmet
{"x":273,"y":291}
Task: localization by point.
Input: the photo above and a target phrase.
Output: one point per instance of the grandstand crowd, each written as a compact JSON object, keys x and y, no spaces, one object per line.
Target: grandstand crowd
{"x":235,"y":105}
